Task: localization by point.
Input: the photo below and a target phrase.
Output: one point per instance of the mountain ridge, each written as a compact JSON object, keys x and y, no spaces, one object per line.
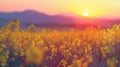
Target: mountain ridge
{"x":27,"y":17}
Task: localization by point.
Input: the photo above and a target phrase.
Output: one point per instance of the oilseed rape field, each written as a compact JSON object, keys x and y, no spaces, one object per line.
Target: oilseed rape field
{"x":89,"y":47}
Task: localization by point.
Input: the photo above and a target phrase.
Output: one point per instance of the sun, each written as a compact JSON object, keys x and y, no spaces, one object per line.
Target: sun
{"x":85,"y":13}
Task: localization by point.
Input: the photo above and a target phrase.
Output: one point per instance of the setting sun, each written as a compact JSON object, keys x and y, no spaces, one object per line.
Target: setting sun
{"x":85,"y":13}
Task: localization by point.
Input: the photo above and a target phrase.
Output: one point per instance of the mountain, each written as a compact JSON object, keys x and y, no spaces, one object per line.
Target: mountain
{"x":43,"y":20}
{"x":33,"y":17}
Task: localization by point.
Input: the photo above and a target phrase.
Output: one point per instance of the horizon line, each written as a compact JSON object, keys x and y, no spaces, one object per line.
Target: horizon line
{"x":67,"y":14}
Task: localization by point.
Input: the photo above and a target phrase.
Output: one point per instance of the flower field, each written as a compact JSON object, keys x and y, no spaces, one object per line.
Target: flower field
{"x":90,"y":47}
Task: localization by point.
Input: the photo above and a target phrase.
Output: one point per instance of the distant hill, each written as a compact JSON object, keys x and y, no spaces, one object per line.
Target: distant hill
{"x":40,"y":19}
{"x":32,"y":17}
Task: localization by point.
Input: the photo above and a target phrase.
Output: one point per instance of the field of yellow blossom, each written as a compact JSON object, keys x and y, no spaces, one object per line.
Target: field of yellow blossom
{"x":90,"y":47}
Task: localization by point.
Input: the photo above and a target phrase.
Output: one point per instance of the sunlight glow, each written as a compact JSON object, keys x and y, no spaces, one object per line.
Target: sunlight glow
{"x":85,"y":13}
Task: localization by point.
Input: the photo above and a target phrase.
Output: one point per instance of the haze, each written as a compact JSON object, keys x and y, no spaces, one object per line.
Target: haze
{"x":95,"y":8}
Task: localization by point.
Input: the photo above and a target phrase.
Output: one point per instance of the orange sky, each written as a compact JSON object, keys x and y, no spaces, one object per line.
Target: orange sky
{"x":95,"y":8}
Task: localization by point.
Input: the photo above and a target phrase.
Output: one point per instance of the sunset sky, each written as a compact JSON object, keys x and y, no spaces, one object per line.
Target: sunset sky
{"x":95,"y":8}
